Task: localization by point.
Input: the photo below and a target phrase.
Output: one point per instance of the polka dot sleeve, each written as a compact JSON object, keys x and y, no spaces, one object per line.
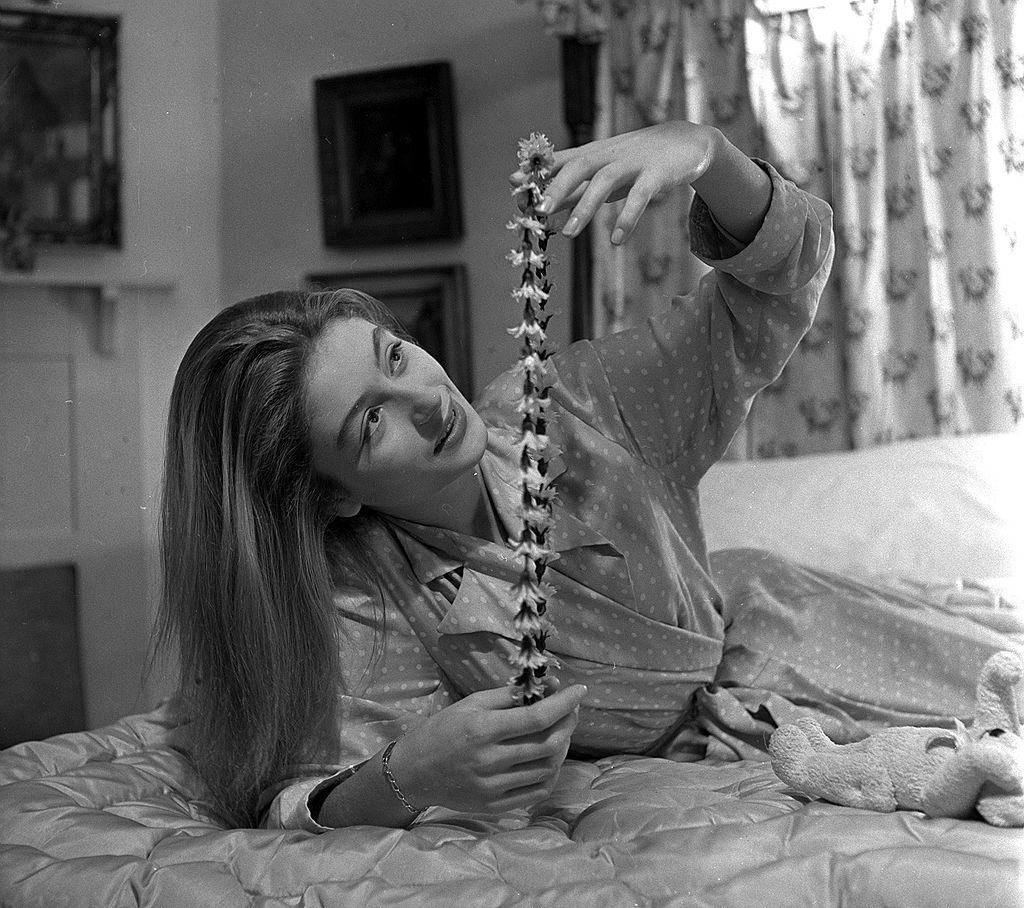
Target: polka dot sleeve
{"x":682,"y":382}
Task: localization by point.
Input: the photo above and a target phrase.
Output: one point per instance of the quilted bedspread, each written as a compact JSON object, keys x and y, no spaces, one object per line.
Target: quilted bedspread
{"x":116,"y":817}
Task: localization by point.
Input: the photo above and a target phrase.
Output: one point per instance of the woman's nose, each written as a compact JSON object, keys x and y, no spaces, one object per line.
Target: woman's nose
{"x":427,"y":410}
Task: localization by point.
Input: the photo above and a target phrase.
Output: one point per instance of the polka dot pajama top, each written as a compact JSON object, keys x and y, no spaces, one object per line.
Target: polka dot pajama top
{"x":639,"y":417}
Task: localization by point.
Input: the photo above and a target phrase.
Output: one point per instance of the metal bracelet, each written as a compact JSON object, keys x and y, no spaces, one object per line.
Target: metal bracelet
{"x":386,"y":770}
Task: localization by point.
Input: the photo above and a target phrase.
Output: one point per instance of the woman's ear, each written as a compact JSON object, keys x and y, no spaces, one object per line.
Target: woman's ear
{"x":338,"y":501}
{"x":344,"y":506}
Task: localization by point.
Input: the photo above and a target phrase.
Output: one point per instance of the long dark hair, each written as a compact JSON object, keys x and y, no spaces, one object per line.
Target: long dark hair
{"x":245,"y":524}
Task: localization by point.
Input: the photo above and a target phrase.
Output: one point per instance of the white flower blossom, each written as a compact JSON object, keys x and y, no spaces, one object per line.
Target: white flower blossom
{"x":529,"y":656}
{"x":528,"y":588}
{"x":530,"y":292}
{"x":533,"y":226}
{"x":536,"y":154}
{"x":532,"y":330}
{"x":533,"y":362}
{"x":526,"y":622}
{"x":519,"y":257}
{"x":527,"y":186}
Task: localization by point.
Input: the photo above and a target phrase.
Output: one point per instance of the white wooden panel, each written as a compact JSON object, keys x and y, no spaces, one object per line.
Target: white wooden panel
{"x":71,"y":476}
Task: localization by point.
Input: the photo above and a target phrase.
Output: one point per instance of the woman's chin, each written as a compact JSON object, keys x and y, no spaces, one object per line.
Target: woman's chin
{"x":475,"y":440}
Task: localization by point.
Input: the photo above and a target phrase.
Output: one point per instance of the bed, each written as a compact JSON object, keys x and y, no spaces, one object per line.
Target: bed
{"x":117,"y":816}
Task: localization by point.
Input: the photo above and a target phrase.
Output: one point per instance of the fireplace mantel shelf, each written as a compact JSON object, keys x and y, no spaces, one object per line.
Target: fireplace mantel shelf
{"x":105,"y":291}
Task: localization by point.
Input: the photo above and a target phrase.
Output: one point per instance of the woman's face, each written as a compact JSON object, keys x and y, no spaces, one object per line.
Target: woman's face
{"x":387,"y":423}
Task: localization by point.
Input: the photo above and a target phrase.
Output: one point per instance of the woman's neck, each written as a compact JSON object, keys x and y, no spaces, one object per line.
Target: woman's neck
{"x":472,"y":512}
{"x":463,"y":506}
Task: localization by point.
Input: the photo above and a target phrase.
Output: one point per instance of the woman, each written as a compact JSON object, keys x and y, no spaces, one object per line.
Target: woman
{"x":336,"y":517}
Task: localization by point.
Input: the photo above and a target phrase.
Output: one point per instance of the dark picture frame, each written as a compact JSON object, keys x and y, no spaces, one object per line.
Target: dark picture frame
{"x":60,"y":169}
{"x":431,"y":303}
{"x":387,"y":155}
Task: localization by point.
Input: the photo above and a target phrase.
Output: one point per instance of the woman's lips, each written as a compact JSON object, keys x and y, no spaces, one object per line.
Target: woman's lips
{"x":455,"y":426}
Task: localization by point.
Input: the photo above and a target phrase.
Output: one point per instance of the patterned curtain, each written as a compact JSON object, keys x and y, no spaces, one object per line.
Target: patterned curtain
{"x":908,"y":116}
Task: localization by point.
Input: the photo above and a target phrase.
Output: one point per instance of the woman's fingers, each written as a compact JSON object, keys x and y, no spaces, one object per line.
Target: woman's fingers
{"x":540,"y":739}
{"x":500,"y":706}
{"x":539,"y":717}
{"x":494,"y":716}
{"x":476,"y":751}
{"x":546,"y":207}
{"x":543,"y":753}
{"x":612,"y":182}
{"x":638,"y":166}
{"x":492,"y":698}
{"x":636,"y":204}
{"x":539,"y":773}
{"x":571,"y":181}
{"x":525,"y":784}
{"x":549,"y":207}
{"x":521,"y":798}
{"x":599,"y":190}
{"x":528,"y":785}
{"x":541,"y":731}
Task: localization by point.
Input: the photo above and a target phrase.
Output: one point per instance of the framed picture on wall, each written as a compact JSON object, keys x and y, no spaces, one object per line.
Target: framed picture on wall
{"x":387,"y":154}
{"x":432,"y":305}
{"x":59,"y":144}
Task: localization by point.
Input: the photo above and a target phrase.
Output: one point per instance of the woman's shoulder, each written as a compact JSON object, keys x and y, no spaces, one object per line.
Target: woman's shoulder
{"x":502,"y":395}
{"x":498,"y":388}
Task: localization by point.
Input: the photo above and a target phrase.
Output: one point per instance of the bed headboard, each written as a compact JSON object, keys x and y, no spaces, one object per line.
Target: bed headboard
{"x":934,"y":509}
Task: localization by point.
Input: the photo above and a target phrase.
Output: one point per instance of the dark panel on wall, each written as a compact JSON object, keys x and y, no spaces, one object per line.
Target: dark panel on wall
{"x":40,"y":679}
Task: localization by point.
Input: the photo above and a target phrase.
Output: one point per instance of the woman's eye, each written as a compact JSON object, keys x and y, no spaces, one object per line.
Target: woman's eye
{"x":395,"y":355}
{"x":373,"y":419}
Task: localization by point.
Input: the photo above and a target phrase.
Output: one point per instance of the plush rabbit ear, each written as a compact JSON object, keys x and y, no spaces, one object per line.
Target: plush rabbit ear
{"x":996,"y":697}
{"x":941,"y":741}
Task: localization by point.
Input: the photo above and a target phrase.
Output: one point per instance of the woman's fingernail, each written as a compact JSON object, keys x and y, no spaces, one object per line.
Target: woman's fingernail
{"x":570,"y":228}
{"x":616,"y":236}
{"x":545,"y":205}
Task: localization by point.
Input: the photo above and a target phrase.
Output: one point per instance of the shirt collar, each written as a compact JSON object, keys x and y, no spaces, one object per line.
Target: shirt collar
{"x":500,"y":468}
{"x":427,"y":562}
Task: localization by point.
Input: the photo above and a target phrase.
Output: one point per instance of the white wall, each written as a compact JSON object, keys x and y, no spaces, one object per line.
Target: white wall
{"x":170,"y":138}
{"x":506,"y":72}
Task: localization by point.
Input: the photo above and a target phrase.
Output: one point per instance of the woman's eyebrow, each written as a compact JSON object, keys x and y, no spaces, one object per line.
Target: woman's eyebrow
{"x":357,"y":407}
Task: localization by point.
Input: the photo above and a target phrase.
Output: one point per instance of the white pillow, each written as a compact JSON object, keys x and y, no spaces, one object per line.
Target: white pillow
{"x":933,"y":509}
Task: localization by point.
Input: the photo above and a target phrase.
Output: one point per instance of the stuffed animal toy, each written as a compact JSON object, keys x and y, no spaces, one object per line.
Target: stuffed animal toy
{"x":941,"y":772}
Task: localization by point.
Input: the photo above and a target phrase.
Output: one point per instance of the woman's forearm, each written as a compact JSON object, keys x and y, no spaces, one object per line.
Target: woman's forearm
{"x":737,"y":190}
{"x":364,"y":798}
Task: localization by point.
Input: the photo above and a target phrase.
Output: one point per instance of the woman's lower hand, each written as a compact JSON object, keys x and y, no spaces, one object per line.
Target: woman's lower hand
{"x":639,"y":166}
{"x":486,"y":753}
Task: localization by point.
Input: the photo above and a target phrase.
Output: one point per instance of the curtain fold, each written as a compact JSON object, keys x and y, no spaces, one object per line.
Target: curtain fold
{"x":906,"y":115}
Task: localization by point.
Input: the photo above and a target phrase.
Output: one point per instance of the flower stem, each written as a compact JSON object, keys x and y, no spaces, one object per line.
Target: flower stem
{"x":536,"y":157}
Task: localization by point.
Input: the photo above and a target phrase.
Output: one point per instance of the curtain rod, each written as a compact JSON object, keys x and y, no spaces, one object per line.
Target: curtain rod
{"x":778,"y":7}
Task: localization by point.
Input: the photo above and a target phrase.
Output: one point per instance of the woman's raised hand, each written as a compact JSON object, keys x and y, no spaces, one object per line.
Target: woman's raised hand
{"x":482,"y":754}
{"x":638,"y":166}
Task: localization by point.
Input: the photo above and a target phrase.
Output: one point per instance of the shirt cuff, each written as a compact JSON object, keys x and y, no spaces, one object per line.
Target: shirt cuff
{"x":291,"y":808}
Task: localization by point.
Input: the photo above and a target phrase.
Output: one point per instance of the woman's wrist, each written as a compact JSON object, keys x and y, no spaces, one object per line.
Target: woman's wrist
{"x":736,"y":190}
{"x":393,"y":784}
{"x":367,"y":797}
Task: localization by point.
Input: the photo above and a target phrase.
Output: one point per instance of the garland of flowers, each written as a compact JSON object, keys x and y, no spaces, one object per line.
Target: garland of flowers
{"x":530,"y":593}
